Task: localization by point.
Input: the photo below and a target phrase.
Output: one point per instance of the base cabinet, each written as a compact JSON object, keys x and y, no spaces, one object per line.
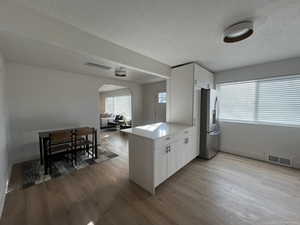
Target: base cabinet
{"x":161,"y":165}
{"x":154,"y":161}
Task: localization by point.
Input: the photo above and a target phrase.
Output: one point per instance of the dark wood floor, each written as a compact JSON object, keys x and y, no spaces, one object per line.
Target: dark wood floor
{"x":226,"y":190}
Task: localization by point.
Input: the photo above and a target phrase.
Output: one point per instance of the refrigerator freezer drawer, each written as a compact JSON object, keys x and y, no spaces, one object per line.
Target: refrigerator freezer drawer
{"x":213,"y":144}
{"x":210,"y":144}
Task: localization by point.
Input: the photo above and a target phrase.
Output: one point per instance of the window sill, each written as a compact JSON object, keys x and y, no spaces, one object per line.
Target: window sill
{"x":260,"y":123}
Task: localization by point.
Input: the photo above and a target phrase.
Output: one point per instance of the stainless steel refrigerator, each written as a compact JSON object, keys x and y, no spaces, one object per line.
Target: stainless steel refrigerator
{"x":209,"y":128}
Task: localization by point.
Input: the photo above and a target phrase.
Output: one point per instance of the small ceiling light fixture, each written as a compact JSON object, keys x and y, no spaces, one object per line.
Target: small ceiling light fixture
{"x":120,"y":72}
{"x":238,"y":31}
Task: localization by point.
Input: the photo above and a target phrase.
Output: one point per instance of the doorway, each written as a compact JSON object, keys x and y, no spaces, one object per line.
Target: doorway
{"x":115,"y":108}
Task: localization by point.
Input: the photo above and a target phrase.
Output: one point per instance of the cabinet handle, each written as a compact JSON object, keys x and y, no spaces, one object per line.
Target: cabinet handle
{"x":167,"y":149}
{"x":186,"y":140}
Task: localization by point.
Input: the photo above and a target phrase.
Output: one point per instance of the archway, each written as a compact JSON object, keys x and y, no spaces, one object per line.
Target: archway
{"x":115,"y":107}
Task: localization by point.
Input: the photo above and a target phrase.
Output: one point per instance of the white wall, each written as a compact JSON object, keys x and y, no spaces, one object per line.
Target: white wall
{"x":153,"y":111}
{"x":41,"y":99}
{"x":33,"y":25}
{"x":257,"y":141}
{"x":103,"y":95}
{"x":260,"y":71}
{"x":4,"y":165}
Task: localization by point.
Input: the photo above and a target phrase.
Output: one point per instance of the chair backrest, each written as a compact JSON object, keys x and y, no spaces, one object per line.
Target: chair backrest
{"x":84,"y":131}
{"x":58,"y":137}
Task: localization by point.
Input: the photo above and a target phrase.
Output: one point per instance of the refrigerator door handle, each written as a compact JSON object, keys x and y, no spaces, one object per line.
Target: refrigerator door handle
{"x":214,"y":133}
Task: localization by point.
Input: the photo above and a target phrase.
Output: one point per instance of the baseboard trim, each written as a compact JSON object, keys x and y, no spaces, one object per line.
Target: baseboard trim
{"x":247,"y":155}
{"x":259,"y":158}
{"x":2,"y":200}
{"x":3,"y":197}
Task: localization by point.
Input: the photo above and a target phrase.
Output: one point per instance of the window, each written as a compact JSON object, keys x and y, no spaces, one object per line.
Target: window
{"x":274,"y":100}
{"x":237,"y":101}
{"x":162,"y":97}
{"x":109,"y":105}
{"x":119,"y":105}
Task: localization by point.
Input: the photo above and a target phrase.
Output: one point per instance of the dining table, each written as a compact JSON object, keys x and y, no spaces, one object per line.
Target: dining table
{"x":44,"y":137}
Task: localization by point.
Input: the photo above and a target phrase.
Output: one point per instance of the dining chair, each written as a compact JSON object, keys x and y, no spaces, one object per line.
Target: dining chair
{"x":84,"y":141}
{"x":59,"y":144}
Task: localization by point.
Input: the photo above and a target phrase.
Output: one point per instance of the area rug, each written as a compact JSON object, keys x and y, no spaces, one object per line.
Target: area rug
{"x":33,"y":171}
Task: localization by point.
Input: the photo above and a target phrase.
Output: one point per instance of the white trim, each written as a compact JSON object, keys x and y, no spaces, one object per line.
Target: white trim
{"x":259,"y":123}
{"x":276,"y":77}
{"x":3,"y":197}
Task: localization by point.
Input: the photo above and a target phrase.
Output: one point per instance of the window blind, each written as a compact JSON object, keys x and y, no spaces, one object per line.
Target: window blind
{"x":279,"y":101}
{"x":119,"y":105}
{"x":237,"y":101}
{"x":162,"y":97}
{"x":274,"y":100}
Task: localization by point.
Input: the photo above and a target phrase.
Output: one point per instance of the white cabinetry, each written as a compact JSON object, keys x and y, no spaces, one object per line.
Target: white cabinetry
{"x":181,"y":92}
{"x":180,"y":95}
{"x":202,"y":78}
{"x":153,"y":160}
{"x":161,"y":164}
{"x":183,"y":104}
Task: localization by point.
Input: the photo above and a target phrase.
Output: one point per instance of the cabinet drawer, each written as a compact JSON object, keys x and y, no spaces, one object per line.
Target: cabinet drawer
{"x":167,"y":140}
{"x":185,"y":133}
{"x":163,"y":141}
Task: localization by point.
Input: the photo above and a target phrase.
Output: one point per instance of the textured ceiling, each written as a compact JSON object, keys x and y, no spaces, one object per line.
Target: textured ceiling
{"x":26,"y":51}
{"x":176,"y":31}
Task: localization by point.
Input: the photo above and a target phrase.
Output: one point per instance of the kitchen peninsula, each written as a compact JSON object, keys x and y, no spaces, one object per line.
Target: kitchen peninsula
{"x":157,"y":151}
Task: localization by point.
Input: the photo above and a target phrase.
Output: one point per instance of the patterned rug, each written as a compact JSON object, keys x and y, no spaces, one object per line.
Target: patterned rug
{"x":33,"y":171}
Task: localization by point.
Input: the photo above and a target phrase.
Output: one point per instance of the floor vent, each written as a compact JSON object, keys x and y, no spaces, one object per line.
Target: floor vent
{"x":279,"y":160}
{"x":285,"y":161}
{"x":273,"y":158}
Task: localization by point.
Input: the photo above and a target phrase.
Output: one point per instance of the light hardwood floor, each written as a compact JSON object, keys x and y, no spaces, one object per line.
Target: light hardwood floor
{"x":227,"y":190}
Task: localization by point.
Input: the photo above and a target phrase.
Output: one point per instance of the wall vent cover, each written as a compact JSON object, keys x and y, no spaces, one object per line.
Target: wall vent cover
{"x":285,"y":161}
{"x":104,"y":67}
{"x":279,"y":160}
{"x":273,"y":158}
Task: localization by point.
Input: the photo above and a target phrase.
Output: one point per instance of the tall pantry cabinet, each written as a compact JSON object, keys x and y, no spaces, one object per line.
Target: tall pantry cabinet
{"x":183,"y":103}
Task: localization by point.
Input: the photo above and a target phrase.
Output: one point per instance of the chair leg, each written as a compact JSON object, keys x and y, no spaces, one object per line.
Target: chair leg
{"x":46,"y":165}
{"x":45,"y":157}
{"x":75,"y":157}
{"x":50,"y":165}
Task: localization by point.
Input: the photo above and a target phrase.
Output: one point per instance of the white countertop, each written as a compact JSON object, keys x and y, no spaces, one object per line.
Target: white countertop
{"x":156,"y":130}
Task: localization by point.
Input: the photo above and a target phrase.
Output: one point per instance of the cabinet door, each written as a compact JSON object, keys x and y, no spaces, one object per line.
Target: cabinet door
{"x":180,"y":94}
{"x":189,"y":146}
{"x":173,"y":158}
{"x":187,"y":150}
{"x":195,"y":144}
{"x":203,"y":78}
{"x":181,"y":154}
{"x":161,"y":164}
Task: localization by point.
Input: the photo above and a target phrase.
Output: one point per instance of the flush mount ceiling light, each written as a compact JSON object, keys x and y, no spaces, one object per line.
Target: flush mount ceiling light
{"x":120,"y":72}
{"x":238,"y":31}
